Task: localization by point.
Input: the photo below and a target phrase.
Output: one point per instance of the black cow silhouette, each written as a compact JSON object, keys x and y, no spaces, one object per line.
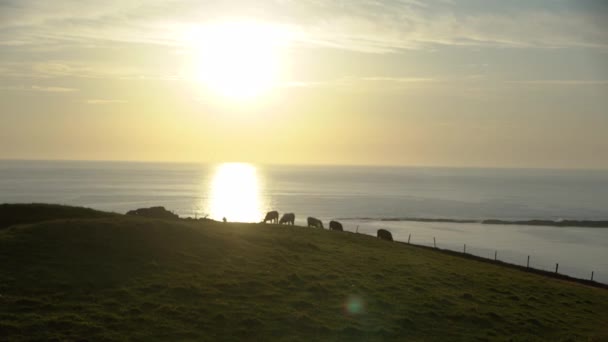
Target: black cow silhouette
{"x":335,"y":225}
{"x":288,"y":218}
{"x":315,"y":222}
{"x":385,"y":235}
{"x":272,"y":216}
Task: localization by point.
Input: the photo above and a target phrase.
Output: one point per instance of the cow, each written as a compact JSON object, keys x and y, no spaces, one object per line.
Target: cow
{"x":272,"y":216}
{"x":385,"y":235}
{"x":288,"y":218}
{"x":315,"y":222}
{"x":335,"y":225}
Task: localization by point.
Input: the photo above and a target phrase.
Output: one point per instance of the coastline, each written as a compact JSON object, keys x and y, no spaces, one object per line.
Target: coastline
{"x":534,"y":222}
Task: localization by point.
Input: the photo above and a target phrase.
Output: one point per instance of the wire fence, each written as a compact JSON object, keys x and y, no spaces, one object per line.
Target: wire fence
{"x":529,"y":262}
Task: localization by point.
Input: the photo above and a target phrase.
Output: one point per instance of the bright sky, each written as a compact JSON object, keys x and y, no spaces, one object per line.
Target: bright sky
{"x":520,"y":83}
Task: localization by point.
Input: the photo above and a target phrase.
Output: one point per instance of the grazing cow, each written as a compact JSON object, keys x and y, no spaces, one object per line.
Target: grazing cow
{"x":315,"y":222}
{"x":335,"y":225}
{"x":272,"y":216}
{"x":288,"y":218}
{"x":385,"y":235}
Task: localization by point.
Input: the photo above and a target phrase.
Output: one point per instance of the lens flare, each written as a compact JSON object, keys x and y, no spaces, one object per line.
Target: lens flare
{"x":354,"y":305}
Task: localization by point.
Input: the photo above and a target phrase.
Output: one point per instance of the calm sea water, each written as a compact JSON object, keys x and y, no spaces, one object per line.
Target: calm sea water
{"x":243,"y":192}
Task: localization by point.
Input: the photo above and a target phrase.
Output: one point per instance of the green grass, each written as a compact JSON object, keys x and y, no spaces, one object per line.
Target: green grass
{"x":130,"y":278}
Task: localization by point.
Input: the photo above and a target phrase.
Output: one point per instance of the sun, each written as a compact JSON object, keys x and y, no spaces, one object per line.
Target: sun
{"x":238,"y":59}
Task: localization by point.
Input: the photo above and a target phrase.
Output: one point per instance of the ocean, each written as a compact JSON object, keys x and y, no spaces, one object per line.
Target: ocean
{"x":363,"y":198}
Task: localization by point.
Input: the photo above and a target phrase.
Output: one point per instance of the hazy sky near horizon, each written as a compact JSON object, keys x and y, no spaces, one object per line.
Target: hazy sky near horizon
{"x":403,"y":82}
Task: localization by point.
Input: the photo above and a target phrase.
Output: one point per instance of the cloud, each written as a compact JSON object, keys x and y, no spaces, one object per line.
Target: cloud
{"x":465,"y":83}
{"x":53,"y":89}
{"x":45,"y":89}
{"x":394,"y":26}
{"x":361,"y":25}
{"x":399,"y":79}
{"x":301,"y":84}
{"x":357,"y":84}
{"x":562,"y":82}
{"x":103,"y":101}
{"x":94,"y":70}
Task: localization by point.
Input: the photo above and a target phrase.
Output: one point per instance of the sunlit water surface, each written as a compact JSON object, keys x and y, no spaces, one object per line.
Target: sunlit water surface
{"x":235,"y":193}
{"x":244,"y":192}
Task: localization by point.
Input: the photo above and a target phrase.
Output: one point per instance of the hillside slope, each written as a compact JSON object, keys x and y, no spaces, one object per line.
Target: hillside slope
{"x":12,"y":214}
{"x":141,"y":279}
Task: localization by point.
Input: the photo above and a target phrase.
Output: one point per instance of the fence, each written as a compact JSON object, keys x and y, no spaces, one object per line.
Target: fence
{"x":496,"y":259}
{"x":464,"y":252}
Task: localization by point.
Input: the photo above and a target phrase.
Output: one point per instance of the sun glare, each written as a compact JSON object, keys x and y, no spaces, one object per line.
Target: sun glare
{"x":238,"y":59}
{"x":235,"y":193}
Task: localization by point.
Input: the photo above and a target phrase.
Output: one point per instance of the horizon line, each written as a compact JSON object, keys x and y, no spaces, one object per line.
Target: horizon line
{"x":421,"y":166}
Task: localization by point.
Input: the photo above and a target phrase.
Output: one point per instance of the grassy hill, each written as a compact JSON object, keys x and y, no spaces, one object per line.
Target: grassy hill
{"x":131,"y":278}
{"x":12,"y":214}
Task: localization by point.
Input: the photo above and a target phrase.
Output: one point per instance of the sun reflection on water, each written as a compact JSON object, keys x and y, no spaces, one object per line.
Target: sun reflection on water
{"x":235,"y":193}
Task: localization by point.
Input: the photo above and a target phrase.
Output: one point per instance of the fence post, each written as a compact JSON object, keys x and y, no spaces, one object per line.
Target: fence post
{"x":528,"y":263}
{"x":434,"y":242}
{"x":408,"y":239}
{"x":495,"y":255}
{"x":465,"y":249}
{"x":357,"y":230}
{"x":556,"y":267}
{"x":591,"y":275}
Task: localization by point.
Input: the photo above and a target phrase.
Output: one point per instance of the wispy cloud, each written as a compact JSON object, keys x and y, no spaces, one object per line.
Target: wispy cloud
{"x":361,"y":25}
{"x":352,"y":81}
{"x":302,"y":84}
{"x":399,"y":79}
{"x":46,"y":89}
{"x":81,"y":69}
{"x":562,"y":82}
{"x":77,"y":39}
{"x":53,"y":89}
{"x":86,"y":70}
{"x":103,"y":101}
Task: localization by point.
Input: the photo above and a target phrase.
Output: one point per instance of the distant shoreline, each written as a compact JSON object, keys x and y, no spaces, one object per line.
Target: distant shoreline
{"x":545,"y":223}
